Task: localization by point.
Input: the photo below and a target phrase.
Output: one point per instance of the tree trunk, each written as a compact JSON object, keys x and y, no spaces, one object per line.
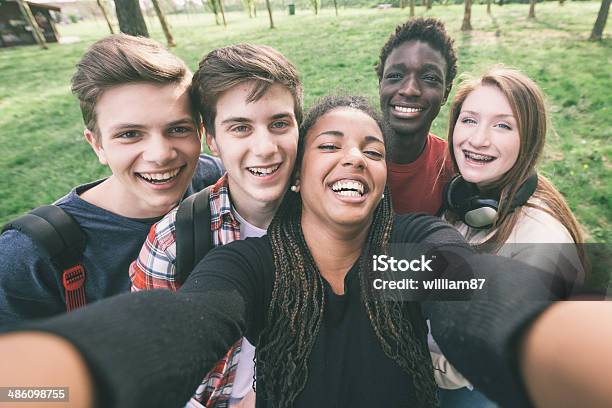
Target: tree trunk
{"x":222,"y":13}
{"x":531,"y":9}
{"x":255,"y":8}
{"x":164,"y":23}
{"x":131,"y":20}
{"x":429,"y":4}
{"x":412,"y":4}
{"x":402,"y":4}
{"x":488,"y":6}
{"x":215,"y":10}
{"x":467,"y":16}
{"x":269,"y":7}
{"x":600,"y":23}
{"x":26,"y":12}
{"x":561,"y":2}
{"x":336,"y":7}
{"x":105,"y":15}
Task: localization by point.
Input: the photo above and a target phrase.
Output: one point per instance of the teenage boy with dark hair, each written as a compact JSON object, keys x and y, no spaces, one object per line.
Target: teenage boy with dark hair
{"x":415,"y":74}
{"x":250,"y":98}
{"x":134,"y":97}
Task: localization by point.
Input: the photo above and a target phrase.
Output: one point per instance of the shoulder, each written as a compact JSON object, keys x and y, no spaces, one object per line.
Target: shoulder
{"x":163,"y":232}
{"x":436,"y":142}
{"x":419,"y":227}
{"x":537,"y":225}
{"x":208,"y":171}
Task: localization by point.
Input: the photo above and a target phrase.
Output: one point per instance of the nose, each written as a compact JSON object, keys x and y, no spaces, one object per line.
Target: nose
{"x":480,"y":136}
{"x":159,"y":150}
{"x":410,"y":87}
{"x":264,"y":144}
{"x":354,"y":157}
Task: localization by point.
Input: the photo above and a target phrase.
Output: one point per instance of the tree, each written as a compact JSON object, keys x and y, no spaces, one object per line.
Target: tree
{"x":222,"y":12}
{"x":467,"y":16}
{"x":412,"y":4}
{"x":26,"y":12}
{"x":402,"y":4}
{"x":105,"y":15}
{"x":600,"y":23}
{"x":531,"y":9}
{"x":315,"y":5}
{"x":131,"y":20}
{"x":488,"y":6}
{"x":336,"y":6}
{"x":164,"y":23}
{"x":270,"y":13}
{"x":213,"y":7}
{"x":249,"y":5}
{"x":429,"y":4}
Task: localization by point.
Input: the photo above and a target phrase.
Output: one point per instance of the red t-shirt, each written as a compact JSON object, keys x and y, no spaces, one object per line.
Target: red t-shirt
{"x":418,"y":186}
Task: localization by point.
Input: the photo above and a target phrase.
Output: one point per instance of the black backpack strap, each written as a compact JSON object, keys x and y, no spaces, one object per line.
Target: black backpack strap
{"x":193,"y":236}
{"x":60,"y":235}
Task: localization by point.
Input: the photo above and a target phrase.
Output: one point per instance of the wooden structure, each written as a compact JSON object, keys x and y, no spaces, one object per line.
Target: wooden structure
{"x":14,"y":29}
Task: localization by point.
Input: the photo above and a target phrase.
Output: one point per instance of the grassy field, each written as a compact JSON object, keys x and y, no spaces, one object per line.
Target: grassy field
{"x":41,"y":127}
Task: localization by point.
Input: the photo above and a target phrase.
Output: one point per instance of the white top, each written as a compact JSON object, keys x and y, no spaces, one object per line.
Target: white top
{"x":554,"y":245}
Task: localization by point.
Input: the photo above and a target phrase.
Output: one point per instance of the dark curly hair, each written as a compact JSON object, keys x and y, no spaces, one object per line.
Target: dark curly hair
{"x":429,"y":30}
{"x":298,"y":302}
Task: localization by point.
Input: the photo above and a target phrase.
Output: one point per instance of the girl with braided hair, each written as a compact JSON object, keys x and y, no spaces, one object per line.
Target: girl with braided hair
{"x":304,"y":296}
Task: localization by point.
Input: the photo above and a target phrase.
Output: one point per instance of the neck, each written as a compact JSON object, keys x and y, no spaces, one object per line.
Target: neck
{"x":258,"y":214}
{"x":335,"y":249}
{"x":407,"y":148}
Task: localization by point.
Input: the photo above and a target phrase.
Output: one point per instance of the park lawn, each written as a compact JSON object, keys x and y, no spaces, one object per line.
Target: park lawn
{"x":41,"y":127}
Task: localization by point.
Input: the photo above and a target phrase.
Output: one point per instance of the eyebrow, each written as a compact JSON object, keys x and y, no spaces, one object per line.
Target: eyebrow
{"x":337,"y":133}
{"x":122,"y":126}
{"x":500,"y":115}
{"x":235,"y":119}
{"x":424,"y":67}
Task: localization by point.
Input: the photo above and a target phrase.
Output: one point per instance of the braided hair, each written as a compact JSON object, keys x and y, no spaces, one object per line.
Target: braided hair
{"x":297,"y":303}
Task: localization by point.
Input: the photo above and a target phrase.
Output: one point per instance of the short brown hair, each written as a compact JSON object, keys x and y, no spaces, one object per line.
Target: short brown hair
{"x":120,"y":59}
{"x":224,"y":68}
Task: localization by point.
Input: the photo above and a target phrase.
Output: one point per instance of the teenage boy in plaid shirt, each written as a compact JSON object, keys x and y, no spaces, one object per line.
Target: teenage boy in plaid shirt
{"x":250,"y":98}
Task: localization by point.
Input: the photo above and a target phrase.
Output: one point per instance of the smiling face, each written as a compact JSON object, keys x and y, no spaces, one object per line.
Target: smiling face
{"x":412,"y":88}
{"x":257,"y":142}
{"x":486,"y":140}
{"x":343,"y":170}
{"x":147,"y":136}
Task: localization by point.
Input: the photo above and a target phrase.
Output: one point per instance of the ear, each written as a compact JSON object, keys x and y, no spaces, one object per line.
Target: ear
{"x":95,"y":145}
{"x":211,"y":142}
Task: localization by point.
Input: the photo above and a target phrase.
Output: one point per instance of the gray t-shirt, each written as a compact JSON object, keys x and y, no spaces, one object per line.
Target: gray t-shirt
{"x":30,"y":282}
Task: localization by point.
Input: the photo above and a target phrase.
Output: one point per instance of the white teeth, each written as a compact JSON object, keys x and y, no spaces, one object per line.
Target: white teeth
{"x":405,"y":109}
{"x":349,"y":188}
{"x":160,"y":176}
{"x":263,"y":171}
{"x":478,"y":157}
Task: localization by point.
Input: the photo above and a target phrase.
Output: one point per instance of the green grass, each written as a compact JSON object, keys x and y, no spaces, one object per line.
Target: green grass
{"x":41,"y":127}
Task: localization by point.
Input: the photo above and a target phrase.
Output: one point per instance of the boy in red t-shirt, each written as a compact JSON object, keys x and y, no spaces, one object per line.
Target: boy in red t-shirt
{"x":415,"y":73}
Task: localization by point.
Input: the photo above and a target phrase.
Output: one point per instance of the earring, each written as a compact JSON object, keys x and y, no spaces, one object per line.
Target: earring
{"x":382,"y":197}
{"x":295,"y":189}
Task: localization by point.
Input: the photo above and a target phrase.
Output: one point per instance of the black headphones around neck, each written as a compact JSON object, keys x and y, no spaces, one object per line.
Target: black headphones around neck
{"x":462,"y":197}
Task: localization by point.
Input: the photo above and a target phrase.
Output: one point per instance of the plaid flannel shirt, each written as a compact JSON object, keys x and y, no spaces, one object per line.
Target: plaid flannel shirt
{"x":155,"y":269}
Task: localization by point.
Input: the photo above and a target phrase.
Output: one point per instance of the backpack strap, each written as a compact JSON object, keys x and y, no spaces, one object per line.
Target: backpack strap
{"x":193,"y":236}
{"x":60,"y":235}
